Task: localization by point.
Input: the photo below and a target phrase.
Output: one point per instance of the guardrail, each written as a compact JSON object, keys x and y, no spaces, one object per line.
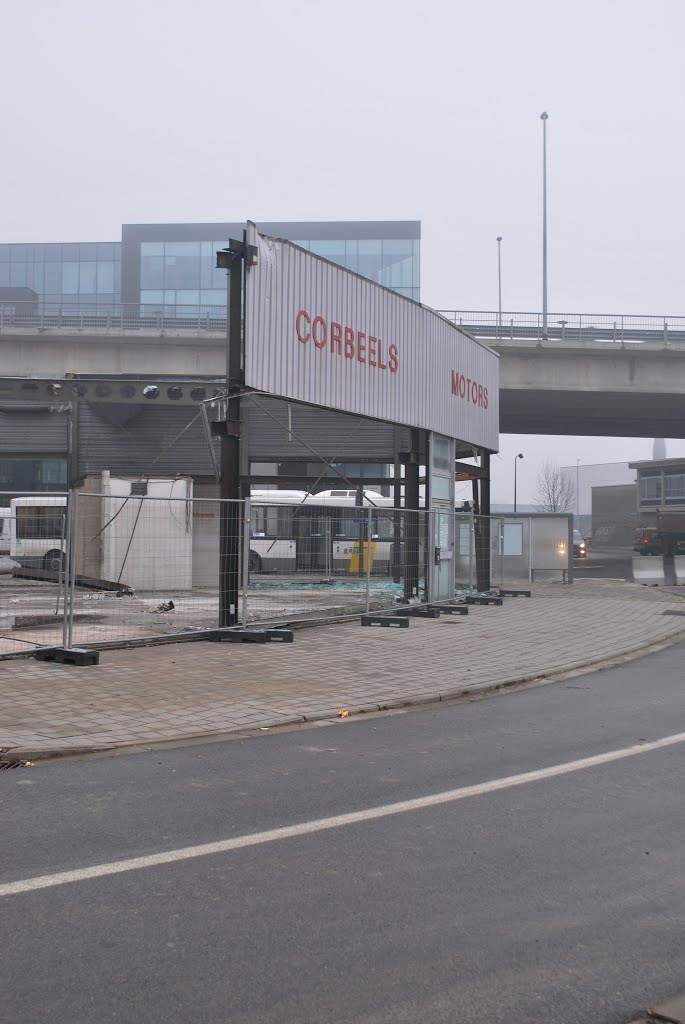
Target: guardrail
{"x":125,"y":316}
{"x":569,"y":326}
{"x":198,"y":319}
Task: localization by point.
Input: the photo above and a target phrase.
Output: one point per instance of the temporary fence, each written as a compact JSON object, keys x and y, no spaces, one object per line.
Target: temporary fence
{"x":141,"y":560}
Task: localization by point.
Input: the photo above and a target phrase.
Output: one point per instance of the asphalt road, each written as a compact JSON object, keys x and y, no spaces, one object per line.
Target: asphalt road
{"x":608,"y":563}
{"x":554,"y":899}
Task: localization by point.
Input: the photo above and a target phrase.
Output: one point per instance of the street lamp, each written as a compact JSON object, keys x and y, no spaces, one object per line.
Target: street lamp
{"x":519,"y":456}
{"x":577,"y":490}
{"x":543,"y":117}
{"x":499,"y":279}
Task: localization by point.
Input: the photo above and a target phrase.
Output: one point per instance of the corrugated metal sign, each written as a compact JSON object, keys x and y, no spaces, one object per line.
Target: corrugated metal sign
{"x":317,"y":333}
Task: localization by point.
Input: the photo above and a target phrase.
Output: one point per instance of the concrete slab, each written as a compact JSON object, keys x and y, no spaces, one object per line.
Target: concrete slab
{"x":648,"y":570}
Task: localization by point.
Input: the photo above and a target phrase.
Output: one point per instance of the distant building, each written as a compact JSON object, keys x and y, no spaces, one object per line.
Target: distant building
{"x":660,"y":487}
{"x":174,"y":264}
{"x":584,"y":478}
{"x":614,"y":515}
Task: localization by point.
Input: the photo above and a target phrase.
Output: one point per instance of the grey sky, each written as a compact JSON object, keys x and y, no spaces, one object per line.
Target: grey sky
{"x":382,"y":109}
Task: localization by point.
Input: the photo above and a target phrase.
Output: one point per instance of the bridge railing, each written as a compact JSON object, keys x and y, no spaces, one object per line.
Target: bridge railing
{"x":160,"y":317}
{"x":120,"y":316}
{"x":569,"y":326}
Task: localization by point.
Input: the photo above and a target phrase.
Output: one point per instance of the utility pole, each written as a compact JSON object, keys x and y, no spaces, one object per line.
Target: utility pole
{"x":543,"y":117}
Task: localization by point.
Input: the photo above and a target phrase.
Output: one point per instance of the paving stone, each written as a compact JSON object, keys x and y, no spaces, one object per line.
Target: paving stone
{"x":147,"y":694}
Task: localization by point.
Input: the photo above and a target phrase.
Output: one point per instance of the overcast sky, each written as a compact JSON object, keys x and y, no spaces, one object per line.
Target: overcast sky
{"x":154,"y":111}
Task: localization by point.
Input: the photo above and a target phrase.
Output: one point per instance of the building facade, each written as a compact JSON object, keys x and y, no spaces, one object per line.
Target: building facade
{"x":660,"y":488}
{"x":173,"y":265}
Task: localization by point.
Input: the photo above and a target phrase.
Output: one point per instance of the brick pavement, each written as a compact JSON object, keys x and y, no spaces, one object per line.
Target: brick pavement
{"x":151,"y":694}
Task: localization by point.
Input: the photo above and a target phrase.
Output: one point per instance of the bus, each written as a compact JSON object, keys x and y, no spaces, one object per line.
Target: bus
{"x":38,"y":531}
{"x":299,"y":532}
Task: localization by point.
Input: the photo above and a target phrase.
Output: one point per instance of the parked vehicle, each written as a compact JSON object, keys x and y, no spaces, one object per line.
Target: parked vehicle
{"x":579,"y":547}
{"x":666,"y":538}
{"x":648,"y":541}
{"x":37,"y":531}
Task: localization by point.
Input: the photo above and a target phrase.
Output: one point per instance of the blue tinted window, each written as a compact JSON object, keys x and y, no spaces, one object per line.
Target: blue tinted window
{"x":370,"y":258}
{"x":18,"y":275}
{"x":330,"y":249}
{"x":70,"y":252}
{"x":4,"y":275}
{"x":87,"y":251}
{"x":182,"y":265}
{"x":19,"y":253}
{"x":215,"y":297}
{"x":4,"y":253}
{"x":151,"y":270}
{"x":69,"y":278}
{"x":105,"y":250}
{"x":105,"y":276}
{"x":53,"y":278}
{"x":37,"y":278}
{"x":207,"y":261}
{"x":53,"y":253}
{"x":351,"y":255}
{"x":87,"y":277}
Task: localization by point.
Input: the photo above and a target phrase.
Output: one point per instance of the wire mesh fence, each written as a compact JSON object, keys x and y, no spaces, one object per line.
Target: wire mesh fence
{"x":127,"y":561}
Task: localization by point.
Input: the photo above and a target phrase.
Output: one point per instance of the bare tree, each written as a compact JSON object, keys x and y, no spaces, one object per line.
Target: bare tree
{"x":554,"y":492}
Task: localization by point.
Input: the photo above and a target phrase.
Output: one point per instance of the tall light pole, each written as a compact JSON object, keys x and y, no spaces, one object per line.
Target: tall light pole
{"x":499,"y":279}
{"x":543,"y":117}
{"x":516,"y":459}
{"x":577,"y":489}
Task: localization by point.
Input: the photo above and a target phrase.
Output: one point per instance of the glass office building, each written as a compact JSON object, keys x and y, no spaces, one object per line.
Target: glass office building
{"x":86,"y":273}
{"x":173,"y":265}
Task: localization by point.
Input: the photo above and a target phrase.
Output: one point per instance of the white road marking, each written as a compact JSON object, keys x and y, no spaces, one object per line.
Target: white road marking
{"x":305,"y":828}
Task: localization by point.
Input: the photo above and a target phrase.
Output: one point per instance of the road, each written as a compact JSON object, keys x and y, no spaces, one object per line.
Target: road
{"x":552,"y":898}
{"x":605,"y":563}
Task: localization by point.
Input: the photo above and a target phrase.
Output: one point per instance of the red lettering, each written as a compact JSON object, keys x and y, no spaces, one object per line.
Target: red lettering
{"x":336,"y":337}
{"x":381,"y":364}
{"x":349,"y":343}
{"x":474,"y":392}
{"x":462,"y":385}
{"x":321,"y":341}
{"x":455,"y":382}
{"x":361,"y":347}
{"x":480,"y":395}
{"x":393,"y":359}
{"x":302,"y":315}
{"x":372,"y":351}
{"x":485,"y":396}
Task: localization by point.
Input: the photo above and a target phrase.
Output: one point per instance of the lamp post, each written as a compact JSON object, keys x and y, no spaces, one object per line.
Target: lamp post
{"x":499,"y":280}
{"x":516,"y":458}
{"x":543,"y":117}
{"x":577,"y":490}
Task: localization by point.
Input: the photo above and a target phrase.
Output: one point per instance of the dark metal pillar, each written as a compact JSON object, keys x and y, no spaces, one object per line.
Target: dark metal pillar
{"x":230,"y":516}
{"x":411,"y":521}
{"x":482,"y":529}
{"x":397,"y":524}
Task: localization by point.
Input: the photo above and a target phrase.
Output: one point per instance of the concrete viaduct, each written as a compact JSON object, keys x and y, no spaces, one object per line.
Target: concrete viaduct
{"x":554,"y":385}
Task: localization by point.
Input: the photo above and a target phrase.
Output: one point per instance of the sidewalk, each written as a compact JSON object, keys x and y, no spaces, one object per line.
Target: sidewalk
{"x":178,"y":691}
